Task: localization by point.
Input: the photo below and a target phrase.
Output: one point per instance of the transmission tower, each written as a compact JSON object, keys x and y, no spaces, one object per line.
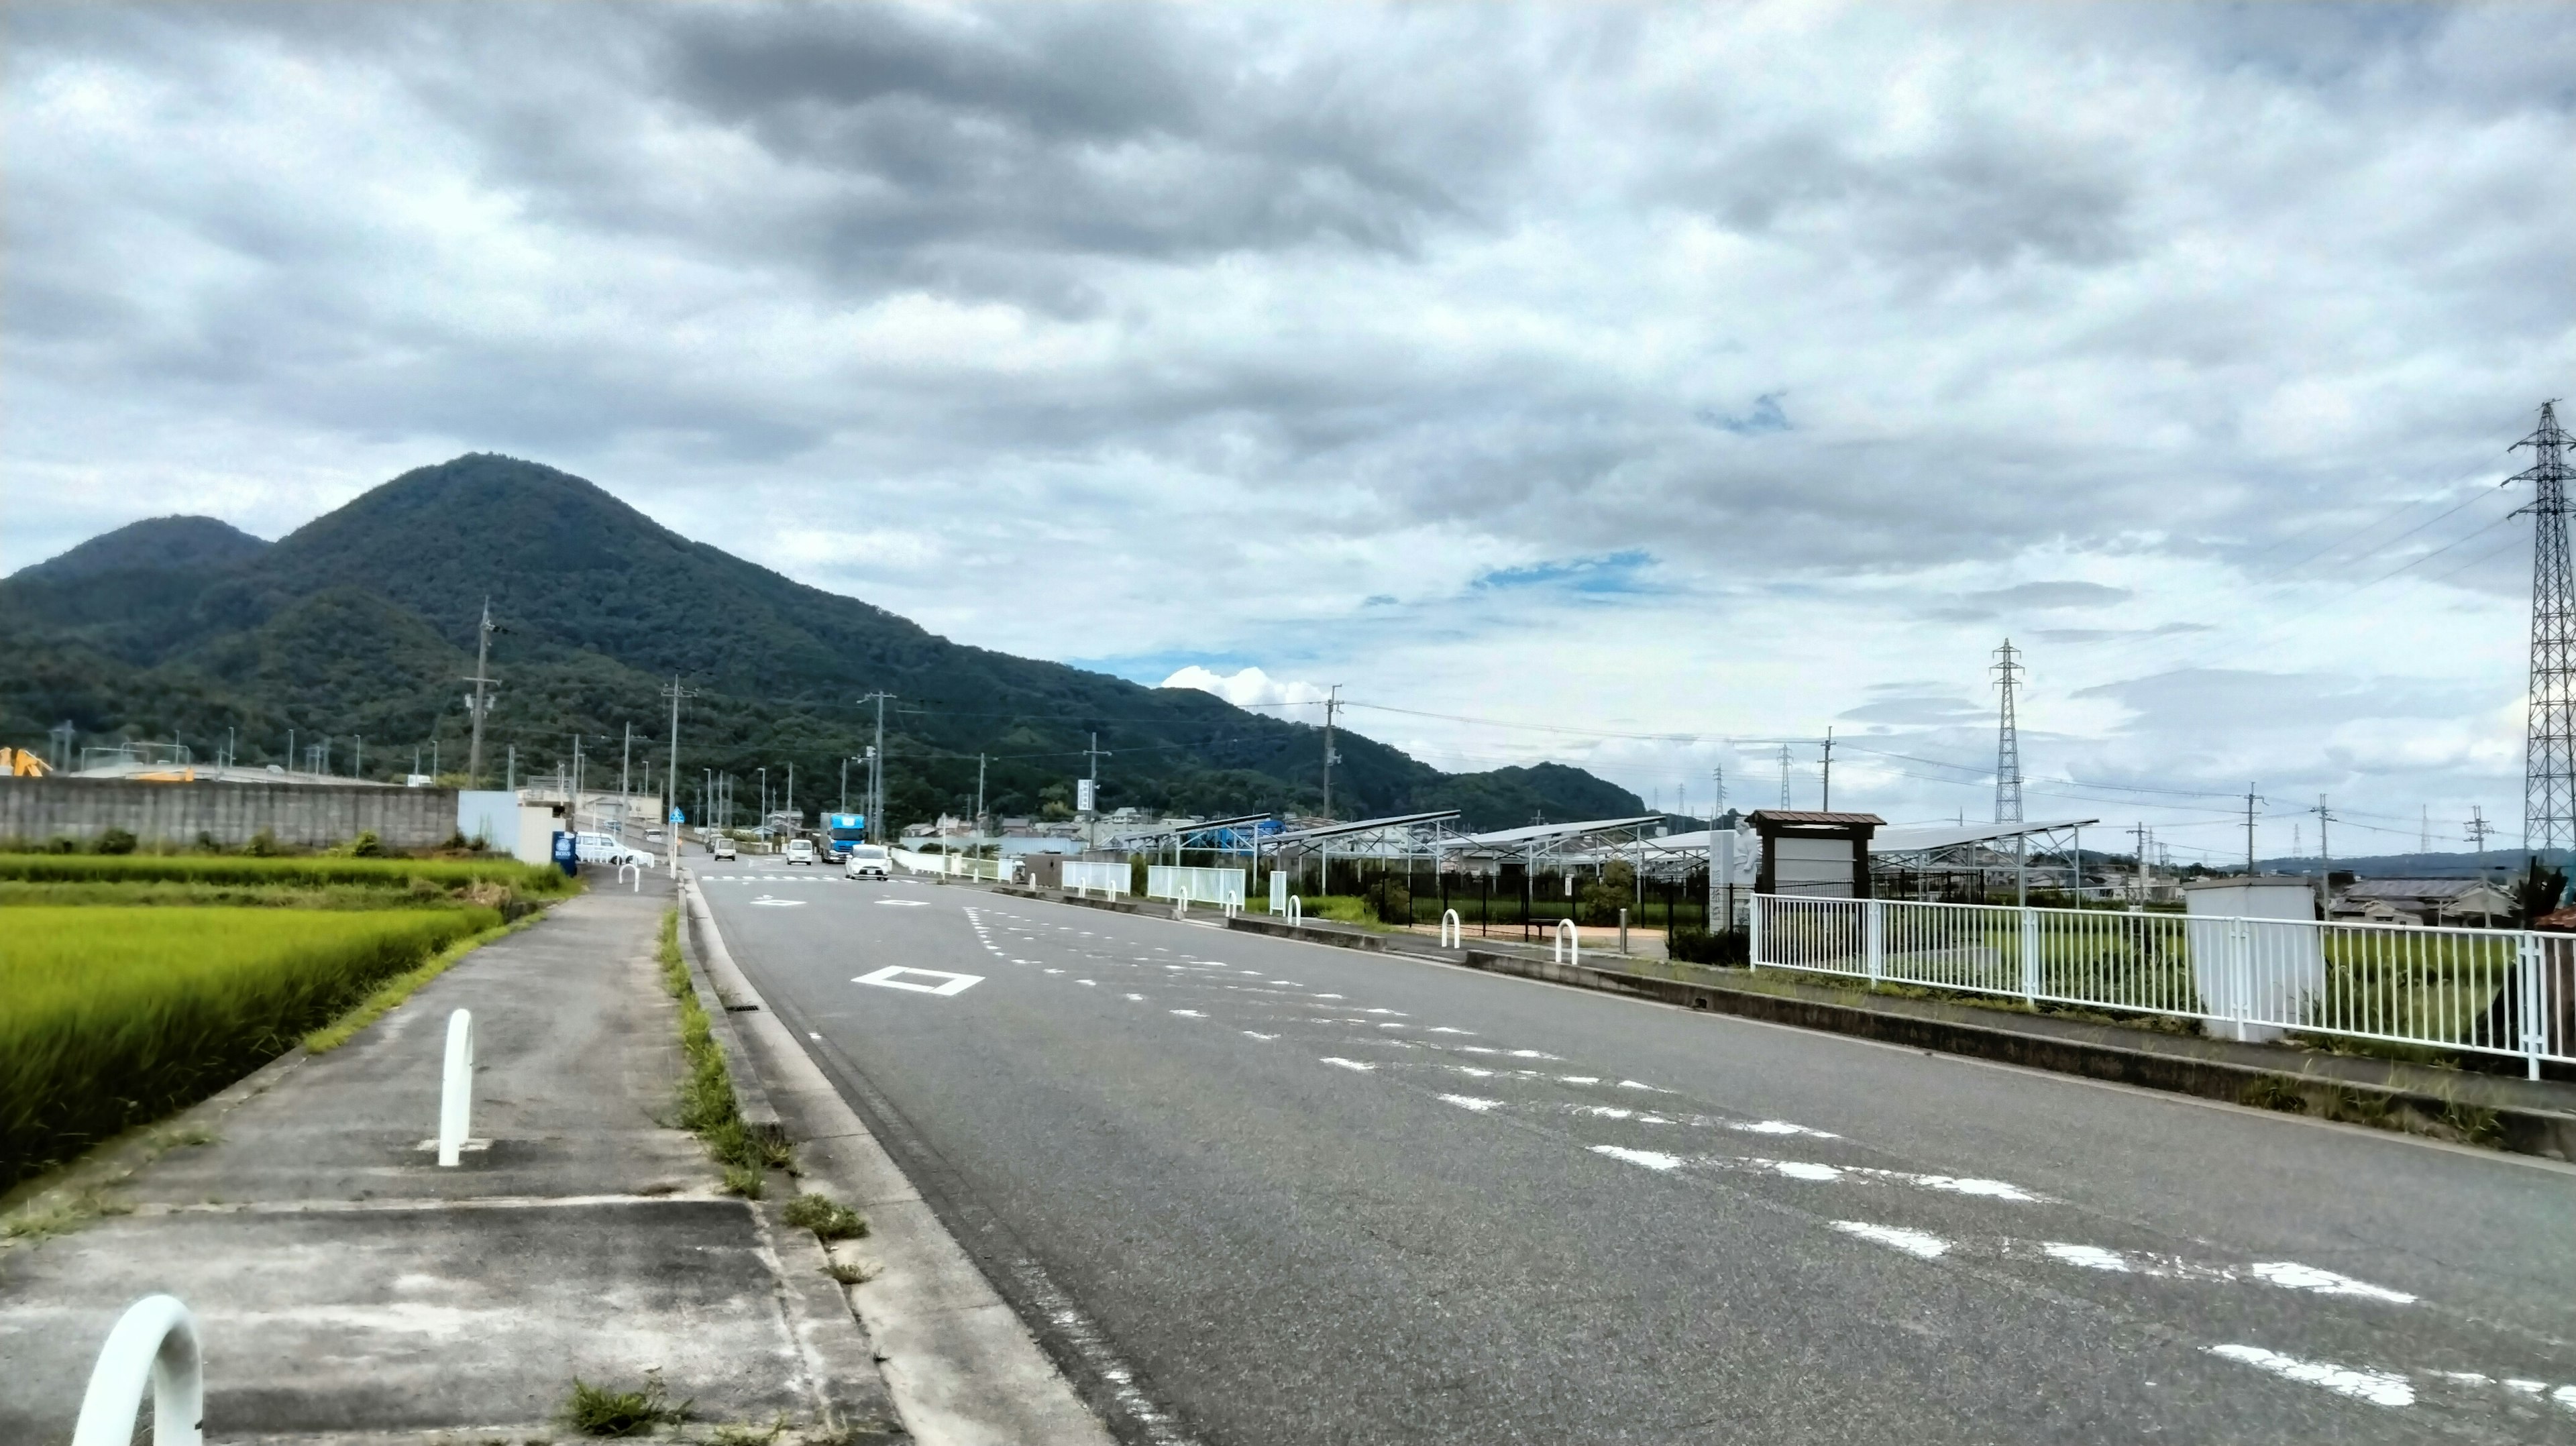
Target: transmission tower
{"x":1784,"y":778}
{"x":2008,"y":671}
{"x":2549,"y":756}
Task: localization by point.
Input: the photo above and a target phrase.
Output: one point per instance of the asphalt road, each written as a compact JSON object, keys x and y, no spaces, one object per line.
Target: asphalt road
{"x":1289,"y":1193}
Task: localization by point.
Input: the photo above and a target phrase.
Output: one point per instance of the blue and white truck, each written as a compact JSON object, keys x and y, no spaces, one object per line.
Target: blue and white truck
{"x":842,"y":832}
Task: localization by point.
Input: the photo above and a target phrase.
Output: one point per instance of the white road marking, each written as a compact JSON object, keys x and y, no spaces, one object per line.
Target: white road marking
{"x":1139,"y":998}
{"x":1779,"y":1127}
{"x":1328,"y":996}
{"x":950,"y":984}
{"x":2091,"y":1257}
{"x":902,"y":903}
{"x":1350,"y":1064}
{"x":1533,"y":1054}
{"x":1094,"y":984}
{"x":1651,"y":1159}
{"x":1189,"y":1014}
{"x":1471,"y":1102}
{"x":2290,"y":1275}
{"x":1251,"y":1034}
{"x":1578,"y":1079}
{"x":767,"y":902}
{"x":1912,"y":1242}
{"x":1473,"y":1072}
{"x":2377,"y":1387}
{"x":1442,"y":1028}
{"x":1806,"y":1170}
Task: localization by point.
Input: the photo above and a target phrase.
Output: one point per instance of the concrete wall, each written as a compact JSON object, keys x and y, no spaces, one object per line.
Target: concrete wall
{"x":304,"y":815}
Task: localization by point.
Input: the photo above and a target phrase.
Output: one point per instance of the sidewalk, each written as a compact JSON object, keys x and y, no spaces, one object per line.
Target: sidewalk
{"x":348,"y":1289}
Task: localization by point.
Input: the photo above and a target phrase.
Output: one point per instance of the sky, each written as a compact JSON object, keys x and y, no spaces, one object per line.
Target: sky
{"x":1641,"y":387}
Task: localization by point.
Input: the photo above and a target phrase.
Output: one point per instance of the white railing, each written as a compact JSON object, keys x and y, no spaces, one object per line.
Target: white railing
{"x":2489,"y":991}
{"x":1109,"y":877}
{"x":153,"y":1344}
{"x":1206,"y":886}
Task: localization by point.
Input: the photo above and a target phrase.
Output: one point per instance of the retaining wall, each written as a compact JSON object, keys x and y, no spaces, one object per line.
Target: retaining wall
{"x":304,"y":815}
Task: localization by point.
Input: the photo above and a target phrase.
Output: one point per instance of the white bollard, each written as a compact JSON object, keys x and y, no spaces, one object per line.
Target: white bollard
{"x":1181,"y":903}
{"x":1453,"y":935}
{"x":1296,"y":912}
{"x":456,"y":1093}
{"x":1563,"y":946}
{"x":631,"y":867}
{"x":154,"y":1343}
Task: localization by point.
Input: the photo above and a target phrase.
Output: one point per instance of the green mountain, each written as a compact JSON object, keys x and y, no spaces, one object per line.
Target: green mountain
{"x":361,"y":624}
{"x":154,"y":544}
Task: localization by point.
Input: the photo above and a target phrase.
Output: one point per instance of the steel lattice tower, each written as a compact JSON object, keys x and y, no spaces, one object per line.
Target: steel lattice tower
{"x":2549,"y":758}
{"x":2008,"y":671}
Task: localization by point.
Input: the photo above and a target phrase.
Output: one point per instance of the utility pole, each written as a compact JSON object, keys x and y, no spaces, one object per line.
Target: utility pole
{"x":358,"y":757}
{"x":1332,"y":706}
{"x":476,"y":703}
{"x":876,"y":769}
{"x":979,"y":797}
{"x":625,"y":755}
{"x":574,"y":797}
{"x":513,"y":780}
{"x":2549,"y":757}
{"x":1826,"y":803}
{"x":1095,"y":754}
{"x":671,"y":787}
{"x":2325,"y":852}
{"x":2251,"y":799}
{"x":2138,"y":876}
{"x":63,"y":733}
{"x":791,"y":794}
{"x":2007,"y":671}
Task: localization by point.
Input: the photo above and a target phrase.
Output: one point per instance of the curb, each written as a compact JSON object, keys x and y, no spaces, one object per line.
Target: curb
{"x":750,"y":1092}
{"x":2409,"y":1099}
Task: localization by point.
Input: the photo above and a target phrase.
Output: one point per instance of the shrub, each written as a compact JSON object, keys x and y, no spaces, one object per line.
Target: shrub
{"x":366,"y":845}
{"x":118,"y":1015}
{"x":1698,"y":946}
{"x":262,"y":845}
{"x":114,"y":841}
{"x":1390,"y":900}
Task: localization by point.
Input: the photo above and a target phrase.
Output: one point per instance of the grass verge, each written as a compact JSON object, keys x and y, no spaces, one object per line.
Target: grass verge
{"x":110,"y":1017}
{"x":707,"y":1106}
{"x":828,"y":1218}
{"x":401,"y":987}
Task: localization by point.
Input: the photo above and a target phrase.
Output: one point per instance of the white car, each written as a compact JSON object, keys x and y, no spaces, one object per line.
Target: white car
{"x":800,"y":851}
{"x":600,"y":848}
{"x":868,"y":861}
{"x":722,"y":847}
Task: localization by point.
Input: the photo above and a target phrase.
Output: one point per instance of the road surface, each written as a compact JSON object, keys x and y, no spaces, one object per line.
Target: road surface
{"x":1258,"y":1191}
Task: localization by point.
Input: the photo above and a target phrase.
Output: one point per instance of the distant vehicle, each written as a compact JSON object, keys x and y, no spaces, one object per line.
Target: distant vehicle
{"x":800,"y":851}
{"x":842,"y":832}
{"x":722,"y":847}
{"x":652,"y":835}
{"x":868,"y":860}
{"x":600,"y":848}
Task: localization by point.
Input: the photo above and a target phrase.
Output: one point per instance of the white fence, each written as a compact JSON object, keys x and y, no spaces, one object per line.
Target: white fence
{"x":1204,"y":886}
{"x":2491,"y":991}
{"x":955,"y":866}
{"x":1107,"y":878}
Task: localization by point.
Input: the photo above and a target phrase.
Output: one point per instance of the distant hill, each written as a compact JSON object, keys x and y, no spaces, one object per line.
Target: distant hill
{"x":2412,"y":866}
{"x":362,"y":623}
{"x":154,"y":544}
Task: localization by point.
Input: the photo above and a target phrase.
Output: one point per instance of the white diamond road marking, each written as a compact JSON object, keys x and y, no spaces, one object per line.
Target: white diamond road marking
{"x":948,"y":985}
{"x":902,"y":903}
{"x":766,"y":902}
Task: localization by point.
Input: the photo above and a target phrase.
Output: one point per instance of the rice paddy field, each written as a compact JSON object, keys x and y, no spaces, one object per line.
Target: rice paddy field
{"x":114,"y":1014}
{"x":242,"y":871}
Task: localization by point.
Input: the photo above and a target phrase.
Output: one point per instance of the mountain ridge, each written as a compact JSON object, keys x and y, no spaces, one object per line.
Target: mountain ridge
{"x":361,"y":622}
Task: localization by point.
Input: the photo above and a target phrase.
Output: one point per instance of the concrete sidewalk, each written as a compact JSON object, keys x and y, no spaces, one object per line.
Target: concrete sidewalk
{"x":347,"y":1288}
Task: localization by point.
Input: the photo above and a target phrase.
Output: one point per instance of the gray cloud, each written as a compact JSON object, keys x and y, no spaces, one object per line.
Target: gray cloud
{"x":1884,"y":308}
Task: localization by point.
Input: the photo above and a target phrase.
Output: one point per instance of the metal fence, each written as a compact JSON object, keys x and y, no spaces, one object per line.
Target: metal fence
{"x":2487,"y":991}
{"x":1109,"y":878}
{"x":1204,"y":886}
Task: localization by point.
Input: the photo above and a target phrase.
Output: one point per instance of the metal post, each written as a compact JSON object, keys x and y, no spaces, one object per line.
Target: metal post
{"x":456,"y":1091}
{"x":2535,"y":1018}
{"x":1874,"y":939}
{"x":2029,"y":956}
{"x":154,"y":1343}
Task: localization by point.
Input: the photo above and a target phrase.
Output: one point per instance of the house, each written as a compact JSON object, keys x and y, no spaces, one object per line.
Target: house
{"x":2454,"y":902}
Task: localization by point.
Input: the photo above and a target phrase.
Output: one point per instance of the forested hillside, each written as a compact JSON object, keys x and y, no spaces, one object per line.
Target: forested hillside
{"x":361,"y":623}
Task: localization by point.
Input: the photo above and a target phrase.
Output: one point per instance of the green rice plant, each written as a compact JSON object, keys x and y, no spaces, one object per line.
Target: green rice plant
{"x":298,"y":873}
{"x":110,"y":1017}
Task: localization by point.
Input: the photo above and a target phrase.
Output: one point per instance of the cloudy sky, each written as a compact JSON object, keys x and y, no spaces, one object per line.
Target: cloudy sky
{"x":1629,"y":385}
